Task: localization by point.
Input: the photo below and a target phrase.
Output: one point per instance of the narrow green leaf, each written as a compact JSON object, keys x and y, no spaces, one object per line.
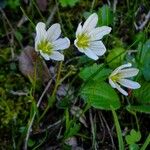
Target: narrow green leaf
{"x":118,"y":129}
{"x":105,"y":15}
{"x":146,"y":143}
{"x":65,"y":3}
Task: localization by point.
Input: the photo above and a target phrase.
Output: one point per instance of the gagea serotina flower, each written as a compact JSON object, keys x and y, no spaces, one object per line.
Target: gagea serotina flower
{"x":88,"y":37}
{"x":119,"y":75}
{"x":48,"y":42}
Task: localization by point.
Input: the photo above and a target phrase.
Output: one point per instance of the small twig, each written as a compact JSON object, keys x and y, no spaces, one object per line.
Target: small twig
{"x":49,"y":127}
{"x":22,"y":21}
{"x":109,"y":4}
{"x":59,"y":17}
{"x":19,"y":93}
{"x":38,"y":10}
{"x":132,"y":51}
{"x":147,"y":18}
{"x":93,"y":128}
{"x":109,"y":131}
{"x":33,"y":117}
{"x":24,"y":13}
{"x":54,"y":92}
{"x":92,"y":6}
{"x":45,"y":90}
{"x":11,"y":38}
{"x":103,"y":127}
{"x":114,"y":5}
{"x":51,"y":15}
{"x":11,"y":27}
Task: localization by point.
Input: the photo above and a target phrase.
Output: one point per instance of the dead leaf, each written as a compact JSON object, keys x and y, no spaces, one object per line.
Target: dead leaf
{"x":29,"y":62}
{"x":72,"y":141}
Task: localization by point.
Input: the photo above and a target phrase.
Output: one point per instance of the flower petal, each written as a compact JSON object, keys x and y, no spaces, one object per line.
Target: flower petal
{"x":90,"y":54}
{"x":129,"y":84}
{"x":40,"y":33}
{"x":79,"y":29}
{"x":99,"y":32}
{"x":80,"y":49}
{"x":57,"y":56}
{"x":90,"y":23}
{"x":53,"y":32}
{"x":97,"y":47}
{"x":40,"y":30}
{"x":45,"y":56}
{"x":120,"y":67}
{"x":130,"y":72}
{"x":112,"y":83}
{"x":121,"y":90}
{"x":61,"y":44}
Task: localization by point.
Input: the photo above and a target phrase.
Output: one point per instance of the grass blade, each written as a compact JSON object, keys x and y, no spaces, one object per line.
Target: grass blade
{"x":118,"y":129}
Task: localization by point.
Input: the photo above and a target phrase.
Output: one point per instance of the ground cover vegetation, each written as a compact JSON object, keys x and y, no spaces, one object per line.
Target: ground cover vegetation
{"x":74,"y":74}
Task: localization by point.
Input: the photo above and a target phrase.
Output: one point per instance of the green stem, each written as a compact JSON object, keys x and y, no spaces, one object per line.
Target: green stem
{"x":146,"y":143}
{"x":136,"y":119}
{"x":57,"y":79}
{"x":93,"y":3}
{"x":134,"y":113}
{"x":34,"y":3}
{"x":118,"y":129}
{"x":24,"y":13}
{"x":53,"y":98}
{"x":67,"y":75}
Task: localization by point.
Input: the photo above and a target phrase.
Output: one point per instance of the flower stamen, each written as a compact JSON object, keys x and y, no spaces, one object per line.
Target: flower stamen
{"x":83,"y":41}
{"x":45,"y":46}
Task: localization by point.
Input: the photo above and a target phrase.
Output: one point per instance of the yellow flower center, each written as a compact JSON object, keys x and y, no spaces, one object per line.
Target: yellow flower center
{"x":45,"y":46}
{"x":116,"y":77}
{"x":83,"y":40}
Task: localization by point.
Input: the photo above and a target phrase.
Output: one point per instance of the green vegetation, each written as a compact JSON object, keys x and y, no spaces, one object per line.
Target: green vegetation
{"x":70,"y":104}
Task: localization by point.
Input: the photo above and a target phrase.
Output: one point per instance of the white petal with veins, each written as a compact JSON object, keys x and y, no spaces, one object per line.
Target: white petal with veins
{"x":40,"y":31}
{"x":130,"y":72}
{"x":53,"y":33}
{"x":99,"y":32}
{"x":46,"y":57}
{"x":121,"y":90}
{"x":90,"y":23}
{"x":62,"y":43}
{"x":91,"y":54}
{"x":57,"y":56}
{"x":129,"y":84}
{"x":97,"y":47}
{"x":79,"y":29}
{"x":121,"y":67}
{"x":112,"y":83}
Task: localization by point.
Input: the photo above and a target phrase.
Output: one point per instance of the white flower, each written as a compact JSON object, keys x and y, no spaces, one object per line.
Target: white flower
{"x":48,"y":42}
{"x":120,"y":74}
{"x":88,"y":37}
